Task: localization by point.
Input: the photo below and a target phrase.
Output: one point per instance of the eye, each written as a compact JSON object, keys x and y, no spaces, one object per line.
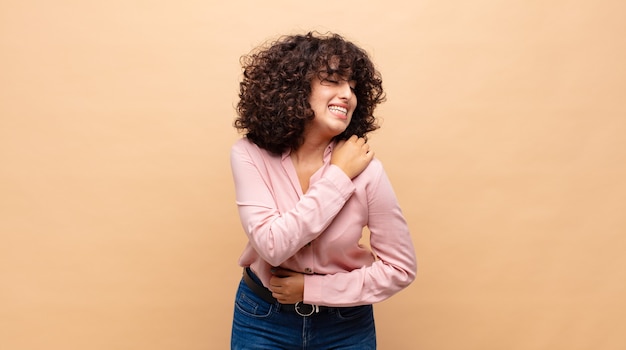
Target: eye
{"x":333,"y":79}
{"x":352,"y":84}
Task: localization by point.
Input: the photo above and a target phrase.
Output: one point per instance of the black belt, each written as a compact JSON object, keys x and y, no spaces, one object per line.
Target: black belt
{"x":300,"y":308}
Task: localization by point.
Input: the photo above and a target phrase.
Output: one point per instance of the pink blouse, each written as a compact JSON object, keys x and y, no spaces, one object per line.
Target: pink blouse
{"x":318,"y":232}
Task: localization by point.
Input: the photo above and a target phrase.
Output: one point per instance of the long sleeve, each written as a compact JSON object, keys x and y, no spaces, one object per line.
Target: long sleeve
{"x":390,"y":240}
{"x":263,"y":188}
{"x":319,"y":233}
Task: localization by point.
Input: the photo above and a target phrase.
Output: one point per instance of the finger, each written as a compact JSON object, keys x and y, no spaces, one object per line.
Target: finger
{"x":275,"y":282}
{"x":275,"y":288}
{"x":276,"y":271}
{"x":280,"y":272}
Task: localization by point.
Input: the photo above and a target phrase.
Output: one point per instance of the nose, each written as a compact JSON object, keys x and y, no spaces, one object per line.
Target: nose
{"x":345,"y":90}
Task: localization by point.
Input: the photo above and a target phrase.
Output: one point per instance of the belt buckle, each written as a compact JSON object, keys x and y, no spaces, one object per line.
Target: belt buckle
{"x":314,"y":309}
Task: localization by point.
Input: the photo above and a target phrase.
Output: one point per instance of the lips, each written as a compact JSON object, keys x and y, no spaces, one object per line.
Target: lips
{"x":338,"y":110}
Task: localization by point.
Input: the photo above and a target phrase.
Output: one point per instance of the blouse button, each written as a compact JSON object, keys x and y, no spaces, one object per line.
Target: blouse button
{"x":308,"y":270}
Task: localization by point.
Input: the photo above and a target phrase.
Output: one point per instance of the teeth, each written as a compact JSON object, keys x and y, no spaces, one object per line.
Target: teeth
{"x":338,"y":109}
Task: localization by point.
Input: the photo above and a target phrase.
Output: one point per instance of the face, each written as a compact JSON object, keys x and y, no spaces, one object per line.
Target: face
{"x":333,"y":101}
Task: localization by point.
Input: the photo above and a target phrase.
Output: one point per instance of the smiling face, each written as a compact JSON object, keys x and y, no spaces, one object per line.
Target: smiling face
{"x":333,"y":101}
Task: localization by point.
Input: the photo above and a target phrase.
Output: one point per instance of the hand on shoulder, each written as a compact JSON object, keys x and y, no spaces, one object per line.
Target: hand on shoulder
{"x":352,"y":155}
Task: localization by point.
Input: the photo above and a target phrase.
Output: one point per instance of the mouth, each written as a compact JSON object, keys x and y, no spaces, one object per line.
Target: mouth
{"x":338,"y":110}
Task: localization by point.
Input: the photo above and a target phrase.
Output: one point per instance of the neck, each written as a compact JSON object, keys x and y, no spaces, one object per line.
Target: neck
{"x":310,"y":151}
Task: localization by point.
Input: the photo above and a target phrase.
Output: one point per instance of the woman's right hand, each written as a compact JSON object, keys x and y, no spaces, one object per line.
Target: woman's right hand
{"x":352,"y":155}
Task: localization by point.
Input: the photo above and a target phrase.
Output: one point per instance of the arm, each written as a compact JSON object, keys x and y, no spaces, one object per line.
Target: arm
{"x":390,"y":240}
{"x":274,"y":235}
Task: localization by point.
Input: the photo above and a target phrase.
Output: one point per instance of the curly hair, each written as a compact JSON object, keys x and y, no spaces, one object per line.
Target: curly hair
{"x":273,"y":108}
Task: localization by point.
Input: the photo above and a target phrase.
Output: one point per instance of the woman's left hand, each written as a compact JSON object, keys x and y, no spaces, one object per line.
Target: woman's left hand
{"x":287,"y":286}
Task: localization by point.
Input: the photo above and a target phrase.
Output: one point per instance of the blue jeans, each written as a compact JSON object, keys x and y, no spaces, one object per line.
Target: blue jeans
{"x":258,"y":324}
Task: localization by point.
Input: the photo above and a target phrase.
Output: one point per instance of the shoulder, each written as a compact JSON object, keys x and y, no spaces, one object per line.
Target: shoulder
{"x":248,"y":149}
{"x":372,"y":173}
{"x":375,"y":166}
{"x":242,"y":143}
{"x":244,"y":146}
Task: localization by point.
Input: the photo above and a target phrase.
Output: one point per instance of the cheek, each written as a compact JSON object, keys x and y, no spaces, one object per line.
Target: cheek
{"x":354,"y":103}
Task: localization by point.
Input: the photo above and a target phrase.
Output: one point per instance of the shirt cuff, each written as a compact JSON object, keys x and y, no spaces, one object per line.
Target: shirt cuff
{"x":312,"y":290}
{"x":343,"y":184}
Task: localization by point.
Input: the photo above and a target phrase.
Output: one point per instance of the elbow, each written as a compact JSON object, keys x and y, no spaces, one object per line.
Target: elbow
{"x":273,"y":256}
{"x":402,"y":276}
{"x":410,"y":274}
{"x":271,"y":249}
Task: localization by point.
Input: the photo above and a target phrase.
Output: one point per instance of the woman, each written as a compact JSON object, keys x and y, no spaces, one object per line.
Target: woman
{"x":307,"y":184}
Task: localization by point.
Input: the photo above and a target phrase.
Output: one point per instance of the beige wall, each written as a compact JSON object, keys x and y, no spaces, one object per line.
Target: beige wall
{"x":504,"y":135}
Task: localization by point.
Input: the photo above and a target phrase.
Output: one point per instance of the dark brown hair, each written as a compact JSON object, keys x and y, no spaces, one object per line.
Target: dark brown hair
{"x":273,"y":108}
